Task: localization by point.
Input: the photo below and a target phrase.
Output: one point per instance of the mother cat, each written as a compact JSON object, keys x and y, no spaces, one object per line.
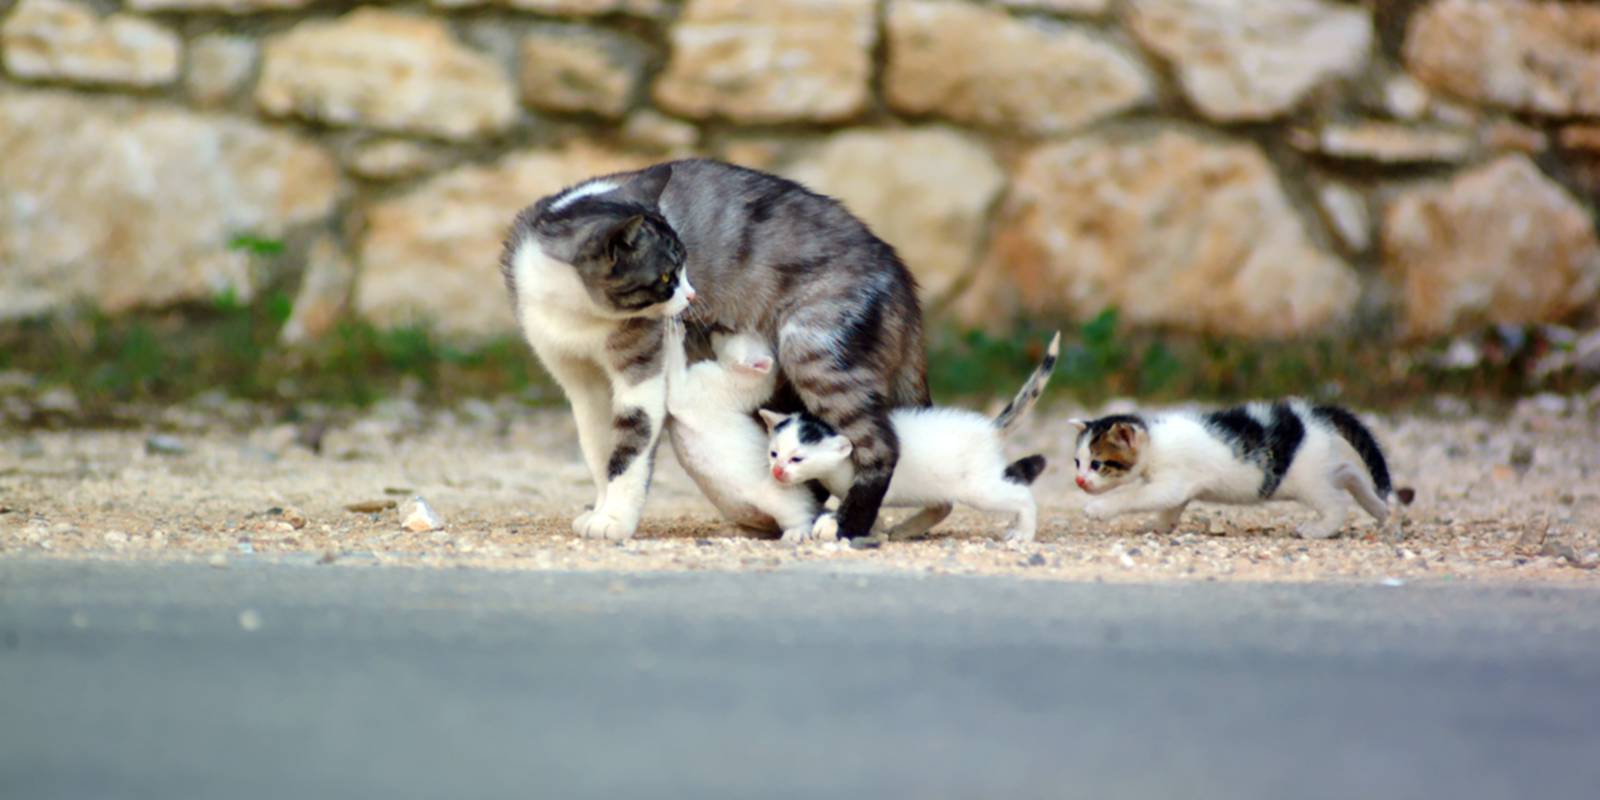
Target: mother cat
{"x":596,"y":269}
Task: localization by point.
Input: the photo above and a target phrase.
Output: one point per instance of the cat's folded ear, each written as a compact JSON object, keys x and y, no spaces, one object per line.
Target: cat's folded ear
{"x":843,"y":446}
{"x":625,"y":236}
{"x":1079,"y":425}
{"x":772,"y":418}
{"x":647,"y":186}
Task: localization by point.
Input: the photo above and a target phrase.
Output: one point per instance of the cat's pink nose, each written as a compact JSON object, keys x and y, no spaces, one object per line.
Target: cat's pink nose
{"x":1083,"y":482}
{"x":777,"y":472}
{"x":689,"y":295}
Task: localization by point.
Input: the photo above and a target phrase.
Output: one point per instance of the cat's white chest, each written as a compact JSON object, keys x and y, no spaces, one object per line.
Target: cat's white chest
{"x":552,"y":305}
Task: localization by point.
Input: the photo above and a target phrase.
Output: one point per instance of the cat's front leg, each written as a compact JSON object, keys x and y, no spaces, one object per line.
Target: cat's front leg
{"x":638,"y":413}
{"x":588,"y":390}
{"x":1162,"y":496}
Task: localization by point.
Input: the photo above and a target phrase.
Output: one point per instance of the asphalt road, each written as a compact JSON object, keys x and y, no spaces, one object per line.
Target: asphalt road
{"x":279,"y":681}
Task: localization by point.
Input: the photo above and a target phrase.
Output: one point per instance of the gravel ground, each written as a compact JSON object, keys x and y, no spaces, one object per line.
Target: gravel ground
{"x":1498,"y":498}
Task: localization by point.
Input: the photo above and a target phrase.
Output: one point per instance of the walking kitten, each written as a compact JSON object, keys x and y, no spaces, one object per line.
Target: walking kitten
{"x":947,"y":455}
{"x":718,"y":441}
{"x":1286,"y":450}
{"x":768,"y":257}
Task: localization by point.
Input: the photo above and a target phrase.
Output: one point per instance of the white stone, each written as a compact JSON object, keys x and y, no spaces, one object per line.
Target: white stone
{"x":1249,"y":60}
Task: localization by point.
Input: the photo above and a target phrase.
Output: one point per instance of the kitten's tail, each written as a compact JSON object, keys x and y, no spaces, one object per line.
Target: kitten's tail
{"x":1360,"y":438}
{"x":1029,"y":394}
{"x":1025,"y":470}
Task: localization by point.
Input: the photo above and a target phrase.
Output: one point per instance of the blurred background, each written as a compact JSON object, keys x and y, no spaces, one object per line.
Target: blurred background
{"x":303,"y":200}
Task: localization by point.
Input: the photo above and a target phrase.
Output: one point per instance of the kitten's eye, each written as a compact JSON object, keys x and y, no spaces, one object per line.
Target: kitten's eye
{"x":666,"y":277}
{"x":794,"y":460}
{"x":1094,"y":465}
{"x":1117,"y":465}
{"x":773,"y":454}
{"x":1075,"y":463}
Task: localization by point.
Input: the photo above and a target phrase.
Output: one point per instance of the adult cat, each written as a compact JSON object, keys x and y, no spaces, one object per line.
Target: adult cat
{"x":833,"y":301}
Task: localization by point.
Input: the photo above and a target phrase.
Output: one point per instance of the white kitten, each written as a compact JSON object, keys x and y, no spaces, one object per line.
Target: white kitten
{"x":720,"y":444}
{"x":1288,"y":450}
{"x":946,"y":455}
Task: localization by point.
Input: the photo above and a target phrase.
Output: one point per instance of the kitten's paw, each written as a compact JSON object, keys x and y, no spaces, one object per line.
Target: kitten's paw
{"x":1099,"y":509}
{"x":1315,"y":530}
{"x":796,"y":535}
{"x":826,"y":528}
{"x":1019,"y":535}
{"x":600,"y":525}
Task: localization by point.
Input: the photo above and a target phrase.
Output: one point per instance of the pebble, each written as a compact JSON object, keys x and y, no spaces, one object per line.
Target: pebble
{"x":116,"y":538}
{"x":249,"y":620}
{"x":294,"y":516}
{"x":160,"y":444}
{"x":419,"y":517}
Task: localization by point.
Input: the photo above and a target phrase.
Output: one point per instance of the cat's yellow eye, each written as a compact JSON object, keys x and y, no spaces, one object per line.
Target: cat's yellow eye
{"x":666,"y":277}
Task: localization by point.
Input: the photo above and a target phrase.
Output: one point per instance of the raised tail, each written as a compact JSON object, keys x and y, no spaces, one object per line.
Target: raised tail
{"x":1351,"y":429}
{"x":1029,"y":394}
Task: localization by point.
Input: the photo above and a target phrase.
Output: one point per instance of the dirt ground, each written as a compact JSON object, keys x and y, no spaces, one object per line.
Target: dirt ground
{"x":1506,"y":498}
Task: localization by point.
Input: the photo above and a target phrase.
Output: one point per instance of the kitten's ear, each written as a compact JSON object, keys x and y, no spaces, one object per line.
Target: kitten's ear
{"x":1079,"y":425}
{"x":772,"y":418}
{"x":625,"y":236}
{"x":1125,"y":434}
{"x":843,"y":447}
{"x":647,"y":186}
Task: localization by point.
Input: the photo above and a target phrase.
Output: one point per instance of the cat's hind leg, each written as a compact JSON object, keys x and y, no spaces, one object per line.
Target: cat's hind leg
{"x":1328,"y":500}
{"x":1006,"y":497}
{"x":836,"y":383}
{"x":1354,"y":480}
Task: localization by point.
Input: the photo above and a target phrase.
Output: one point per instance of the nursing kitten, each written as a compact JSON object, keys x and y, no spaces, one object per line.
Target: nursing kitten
{"x":718,"y":441}
{"x":1287,"y":450}
{"x":832,"y":300}
{"x":947,"y":455}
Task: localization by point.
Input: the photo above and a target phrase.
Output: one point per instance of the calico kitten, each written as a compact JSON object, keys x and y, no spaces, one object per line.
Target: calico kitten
{"x":947,"y":456}
{"x":833,"y":301}
{"x":719,"y":442}
{"x":1286,"y":450}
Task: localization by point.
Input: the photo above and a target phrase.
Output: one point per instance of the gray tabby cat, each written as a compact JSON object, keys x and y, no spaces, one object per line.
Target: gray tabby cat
{"x":596,"y":269}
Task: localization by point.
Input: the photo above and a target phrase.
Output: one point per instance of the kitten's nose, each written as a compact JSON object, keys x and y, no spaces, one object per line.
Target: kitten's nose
{"x":689,"y":295}
{"x":777,"y":472}
{"x":1083,"y":483}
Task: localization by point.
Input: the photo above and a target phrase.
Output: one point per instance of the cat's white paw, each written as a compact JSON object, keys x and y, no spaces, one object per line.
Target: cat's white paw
{"x":1099,"y":509}
{"x":600,"y":525}
{"x":826,"y":528}
{"x":1316,"y":530}
{"x":1019,"y":535}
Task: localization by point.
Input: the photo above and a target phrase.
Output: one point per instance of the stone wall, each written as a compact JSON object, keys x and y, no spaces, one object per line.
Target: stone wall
{"x":1250,"y":167}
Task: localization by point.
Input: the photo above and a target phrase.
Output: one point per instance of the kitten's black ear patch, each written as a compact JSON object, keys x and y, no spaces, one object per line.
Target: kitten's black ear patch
{"x":647,"y":186}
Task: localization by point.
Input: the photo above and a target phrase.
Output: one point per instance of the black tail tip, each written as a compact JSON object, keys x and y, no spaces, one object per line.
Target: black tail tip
{"x":1025,"y":470}
{"x":1406,"y":494}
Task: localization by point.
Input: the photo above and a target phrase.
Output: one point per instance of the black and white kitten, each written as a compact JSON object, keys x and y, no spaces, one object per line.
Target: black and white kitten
{"x":948,"y":455}
{"x":1286,"y":450}
{"x":832,"y":301}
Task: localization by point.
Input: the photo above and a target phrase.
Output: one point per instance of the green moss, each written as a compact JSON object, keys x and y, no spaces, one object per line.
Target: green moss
{"x":160,"y":358}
